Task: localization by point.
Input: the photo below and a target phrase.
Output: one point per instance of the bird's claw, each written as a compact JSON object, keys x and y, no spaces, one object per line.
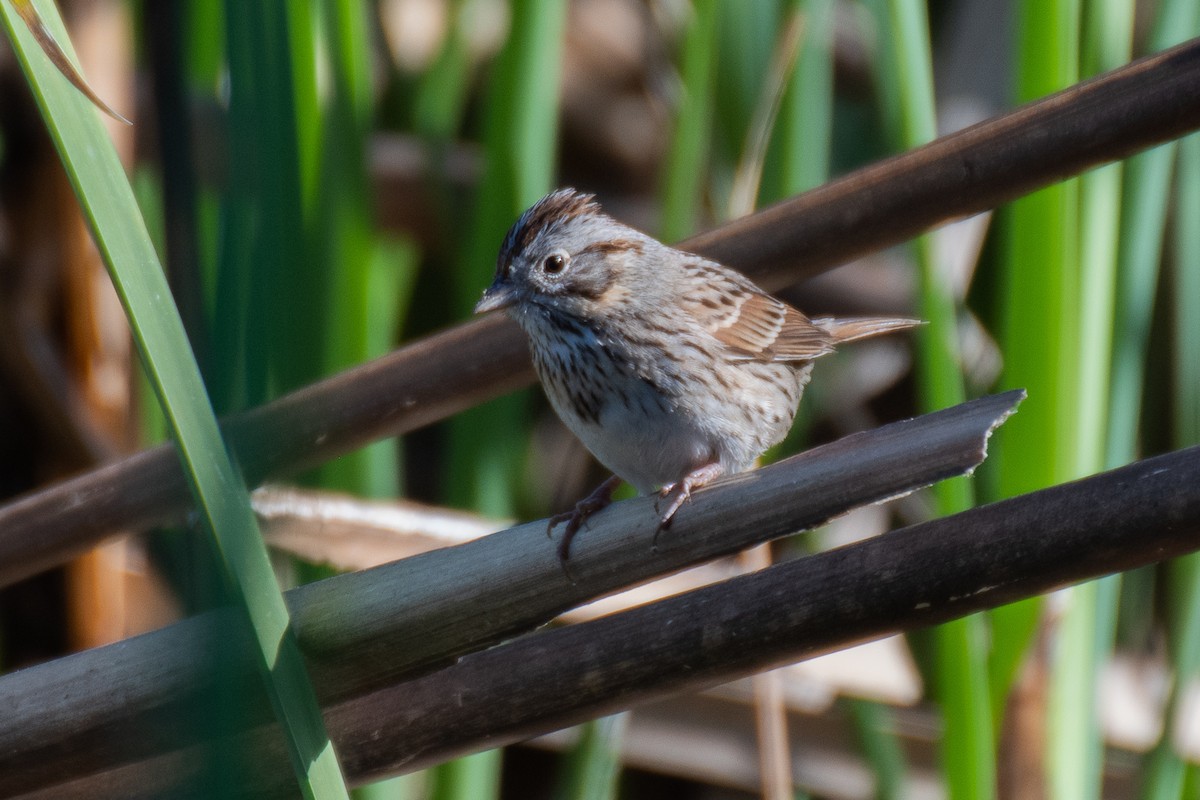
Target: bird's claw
{"x":577,"y":517}
{"x":567,"y":517}
{"x":682,"y":492}
{"x":679,"y":493}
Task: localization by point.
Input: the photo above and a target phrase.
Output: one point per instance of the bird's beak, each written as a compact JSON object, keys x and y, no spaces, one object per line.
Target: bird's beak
{"x":499,"y":295}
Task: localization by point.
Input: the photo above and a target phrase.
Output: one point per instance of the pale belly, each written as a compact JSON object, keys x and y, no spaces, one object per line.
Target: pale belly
{"x":651,"y":438}
{"x":646,"y":450}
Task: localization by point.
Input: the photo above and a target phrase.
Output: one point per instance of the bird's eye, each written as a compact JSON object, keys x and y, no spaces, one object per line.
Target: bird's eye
{"x":554,"y":263}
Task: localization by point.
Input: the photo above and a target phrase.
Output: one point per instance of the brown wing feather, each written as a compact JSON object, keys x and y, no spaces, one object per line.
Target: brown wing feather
{"x":751,"y":323}
{"x":763,"y":328}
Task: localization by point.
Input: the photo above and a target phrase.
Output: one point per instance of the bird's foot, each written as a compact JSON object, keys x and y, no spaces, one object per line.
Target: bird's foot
{"x":679,"y":492}
{"x":600,"y":498}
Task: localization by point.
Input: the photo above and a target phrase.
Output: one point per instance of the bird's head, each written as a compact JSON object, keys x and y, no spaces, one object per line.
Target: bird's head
{"x":563,"y":255}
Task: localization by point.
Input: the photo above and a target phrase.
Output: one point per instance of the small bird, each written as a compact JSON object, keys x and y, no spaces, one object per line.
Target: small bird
{"x":672,"y":369}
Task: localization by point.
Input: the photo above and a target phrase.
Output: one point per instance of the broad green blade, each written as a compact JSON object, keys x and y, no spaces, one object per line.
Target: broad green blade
{"x":521,"y":130}
{"x":1087,"y":626}
{"x":1166,"y":773}
{"x":364,"y":284}
{"x":1040,"y":319}
{"x":690,"y":141}
{"x":108,"y":202}
{"x":473,"y":777}
{"x":798,"y":158}
{"x":592,"y":768}
{"x":968,"y":746}
{"x":487,"y":444}
{"x":880,"y":746}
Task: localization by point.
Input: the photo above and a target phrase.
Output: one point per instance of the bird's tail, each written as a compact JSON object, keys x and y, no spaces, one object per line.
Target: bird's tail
{"x":852,"y":329}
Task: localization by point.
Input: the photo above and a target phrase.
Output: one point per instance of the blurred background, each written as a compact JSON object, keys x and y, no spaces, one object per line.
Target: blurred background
{"x":326,"y":180}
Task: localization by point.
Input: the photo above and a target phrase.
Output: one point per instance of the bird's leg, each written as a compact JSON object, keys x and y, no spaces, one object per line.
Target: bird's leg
{"x":681,"y":491}
{"x":598,"y":499}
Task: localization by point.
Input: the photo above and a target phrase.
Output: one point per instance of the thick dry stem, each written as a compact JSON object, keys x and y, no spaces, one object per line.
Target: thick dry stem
{"x":367,"y":630}
{"x":1109,"y":117}
{"x":903,"y":580}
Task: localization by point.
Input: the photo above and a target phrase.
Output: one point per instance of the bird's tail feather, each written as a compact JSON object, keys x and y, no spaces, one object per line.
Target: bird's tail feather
{"x":851,"y":329}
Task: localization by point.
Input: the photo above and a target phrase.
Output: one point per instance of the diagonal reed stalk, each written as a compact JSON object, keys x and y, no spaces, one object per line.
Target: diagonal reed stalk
{"x":367,"y":630}
{"x":910,"y":578}
{"x":1137,"y":106}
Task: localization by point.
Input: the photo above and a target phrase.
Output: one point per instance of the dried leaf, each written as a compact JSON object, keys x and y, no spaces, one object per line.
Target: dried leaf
{"x":58,"y":56}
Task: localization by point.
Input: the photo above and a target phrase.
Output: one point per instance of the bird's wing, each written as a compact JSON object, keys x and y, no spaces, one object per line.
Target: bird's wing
{"x":751,"y":323}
